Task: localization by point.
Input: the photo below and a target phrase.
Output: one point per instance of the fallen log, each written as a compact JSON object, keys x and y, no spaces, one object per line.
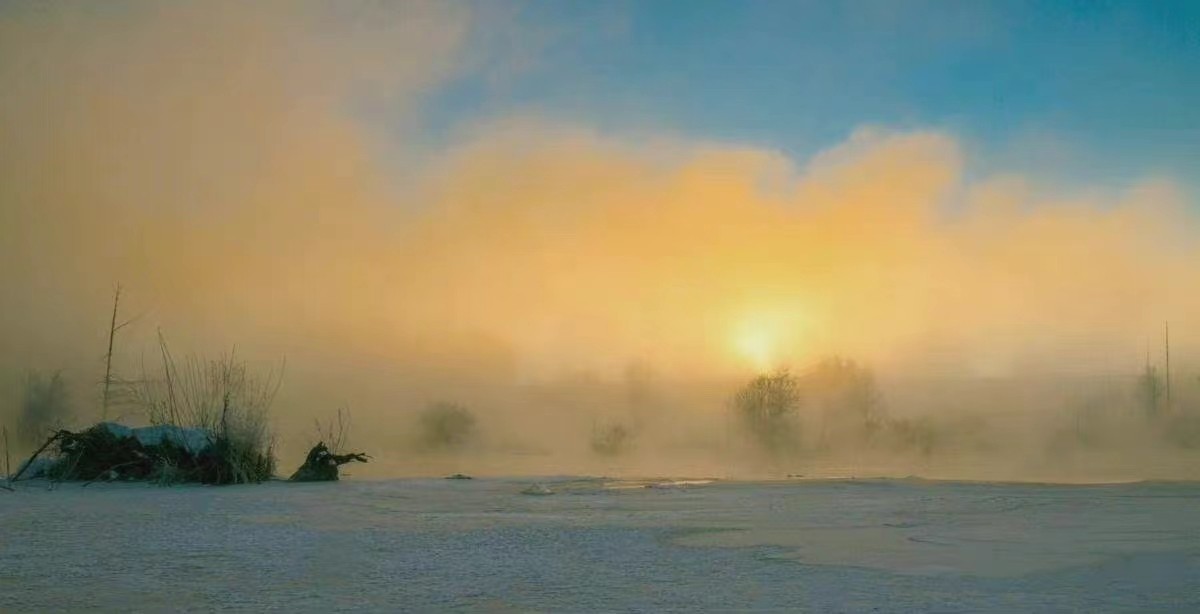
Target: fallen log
{"x":53,"y":438}
{"x":321,"y":465}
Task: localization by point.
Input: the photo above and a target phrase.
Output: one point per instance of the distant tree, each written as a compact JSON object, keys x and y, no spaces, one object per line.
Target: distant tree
{"x":767,"y":407}
{"x":611,"y":439}
{"x":918,"y":434}
{"x":45,"y":406}
{"x":446,"y":426}
{"x":845,"y":394}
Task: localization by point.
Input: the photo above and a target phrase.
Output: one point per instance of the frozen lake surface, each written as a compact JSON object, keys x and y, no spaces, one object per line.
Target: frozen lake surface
{"x":857,"y":545}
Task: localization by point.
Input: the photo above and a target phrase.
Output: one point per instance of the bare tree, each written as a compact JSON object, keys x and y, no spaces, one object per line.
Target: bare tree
{"x":113,"y":327}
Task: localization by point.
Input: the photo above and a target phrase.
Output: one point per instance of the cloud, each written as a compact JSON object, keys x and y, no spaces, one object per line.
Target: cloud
{"x":606,"y":247}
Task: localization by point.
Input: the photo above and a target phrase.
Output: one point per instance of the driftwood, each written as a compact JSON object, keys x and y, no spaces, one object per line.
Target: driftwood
{"x":321,"y":465}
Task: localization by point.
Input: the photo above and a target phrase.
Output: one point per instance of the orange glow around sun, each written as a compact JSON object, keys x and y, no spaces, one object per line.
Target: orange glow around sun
{"x":768,"y":340}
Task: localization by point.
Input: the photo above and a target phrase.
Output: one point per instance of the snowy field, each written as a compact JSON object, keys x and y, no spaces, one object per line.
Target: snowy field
{"x":595,"y":544}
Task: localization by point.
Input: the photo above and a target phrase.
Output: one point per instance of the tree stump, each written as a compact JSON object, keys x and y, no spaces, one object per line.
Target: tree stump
{"x":321,"y":465}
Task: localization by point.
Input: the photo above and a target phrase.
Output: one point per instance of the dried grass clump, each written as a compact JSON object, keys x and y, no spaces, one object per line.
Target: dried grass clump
{"x":221,"y":397}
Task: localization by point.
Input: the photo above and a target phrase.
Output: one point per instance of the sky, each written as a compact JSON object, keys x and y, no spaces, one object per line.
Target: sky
{"x":1103,"y":91}
{"x":438,"y":201}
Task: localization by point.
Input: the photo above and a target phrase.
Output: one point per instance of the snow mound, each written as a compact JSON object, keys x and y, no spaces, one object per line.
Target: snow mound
{"x":537,"y":489}
{"x":193,"y":440}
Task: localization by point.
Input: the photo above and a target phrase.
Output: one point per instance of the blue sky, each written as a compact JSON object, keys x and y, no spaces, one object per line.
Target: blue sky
{"x":1099,"y":91}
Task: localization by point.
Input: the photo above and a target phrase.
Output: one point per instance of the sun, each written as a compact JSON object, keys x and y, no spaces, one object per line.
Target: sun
{"x":755,"y":344}
{"x":766,"y":338}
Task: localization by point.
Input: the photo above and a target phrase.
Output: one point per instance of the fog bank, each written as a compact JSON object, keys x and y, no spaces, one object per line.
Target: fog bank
{"x":228,"y":165}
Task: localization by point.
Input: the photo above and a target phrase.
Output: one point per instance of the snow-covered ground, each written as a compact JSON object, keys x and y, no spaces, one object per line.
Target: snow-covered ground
{"x":595,"y":544}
